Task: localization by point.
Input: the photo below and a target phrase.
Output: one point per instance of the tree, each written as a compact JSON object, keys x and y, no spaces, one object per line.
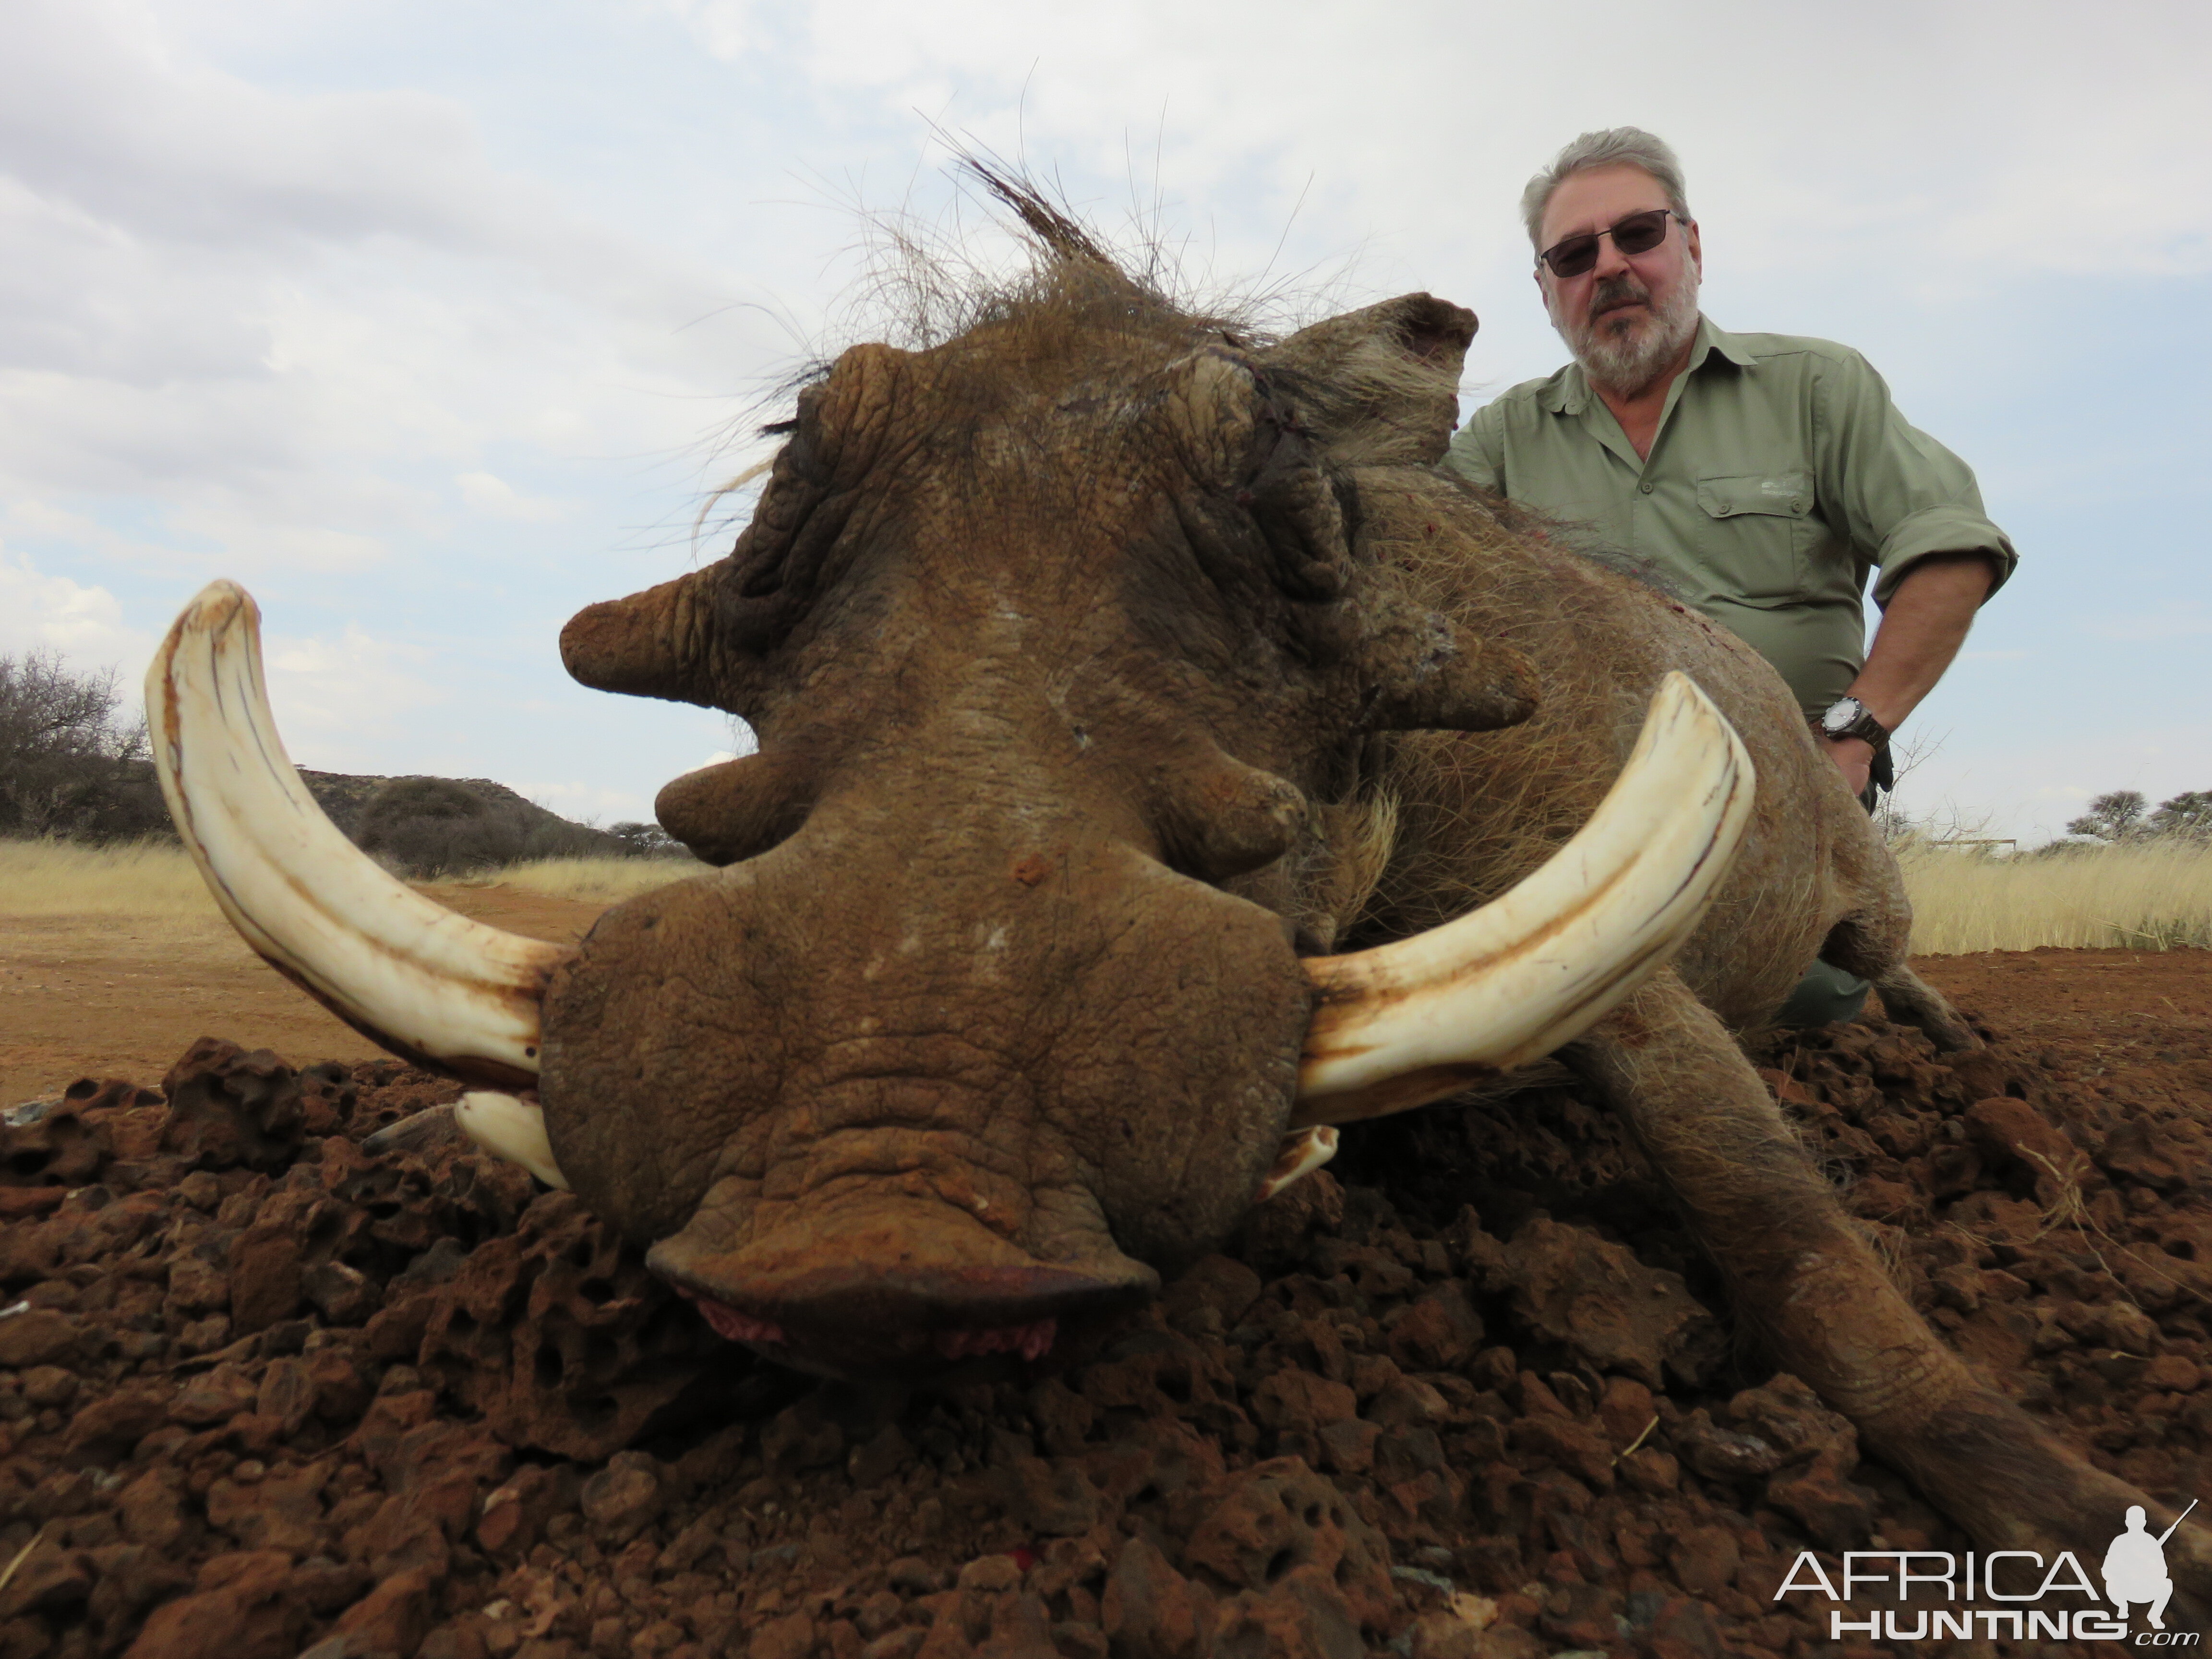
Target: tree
{"x":2114,"y":817}
{"x":69,"y":763}
{"x":2188,"y":814}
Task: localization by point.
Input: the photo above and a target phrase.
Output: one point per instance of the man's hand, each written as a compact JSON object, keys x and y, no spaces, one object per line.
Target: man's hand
{"x":1853,"y":756}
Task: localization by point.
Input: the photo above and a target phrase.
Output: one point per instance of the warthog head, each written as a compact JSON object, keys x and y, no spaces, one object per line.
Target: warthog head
{"x":1060,"y":640}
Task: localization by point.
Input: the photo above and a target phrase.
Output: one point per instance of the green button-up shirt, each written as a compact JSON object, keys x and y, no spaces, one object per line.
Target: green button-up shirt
{"x":1780,"y":474}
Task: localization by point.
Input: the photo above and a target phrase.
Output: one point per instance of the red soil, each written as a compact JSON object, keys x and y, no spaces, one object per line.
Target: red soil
{"x":1471,"y":1392}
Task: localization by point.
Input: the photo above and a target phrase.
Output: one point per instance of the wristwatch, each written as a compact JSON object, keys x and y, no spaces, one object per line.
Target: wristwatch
{"x":1847,"y":717}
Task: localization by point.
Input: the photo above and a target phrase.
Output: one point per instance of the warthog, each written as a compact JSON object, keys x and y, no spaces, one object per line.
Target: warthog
{"x":1160,"y":759}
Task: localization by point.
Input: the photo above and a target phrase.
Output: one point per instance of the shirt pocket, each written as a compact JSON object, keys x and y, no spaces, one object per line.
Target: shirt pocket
{"x":1757,"y":532}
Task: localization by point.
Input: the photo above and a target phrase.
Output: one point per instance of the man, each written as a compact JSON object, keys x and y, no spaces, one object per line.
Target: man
{"x":1763,"y":475}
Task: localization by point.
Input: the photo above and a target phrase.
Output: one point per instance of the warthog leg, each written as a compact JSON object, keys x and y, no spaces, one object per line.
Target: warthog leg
{"x":1800,"y":1274}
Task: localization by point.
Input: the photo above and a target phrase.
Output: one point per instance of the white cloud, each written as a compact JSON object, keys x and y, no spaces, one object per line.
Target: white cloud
{"x":335,"y":697}
{"x":492,"y":495}
{"x":84,"y":624}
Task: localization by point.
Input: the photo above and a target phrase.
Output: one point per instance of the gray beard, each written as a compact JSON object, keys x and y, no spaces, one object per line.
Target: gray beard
{"x":1625,"y":359}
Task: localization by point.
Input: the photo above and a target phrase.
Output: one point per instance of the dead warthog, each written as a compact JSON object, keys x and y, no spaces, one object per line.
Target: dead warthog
{"x":1161,"y":760}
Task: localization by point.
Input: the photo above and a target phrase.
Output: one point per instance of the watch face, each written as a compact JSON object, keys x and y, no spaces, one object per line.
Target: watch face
{"x":1841,"y":713}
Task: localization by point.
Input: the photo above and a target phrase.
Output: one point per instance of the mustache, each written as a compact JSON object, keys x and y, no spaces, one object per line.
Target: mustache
{"x":1615,"y":290}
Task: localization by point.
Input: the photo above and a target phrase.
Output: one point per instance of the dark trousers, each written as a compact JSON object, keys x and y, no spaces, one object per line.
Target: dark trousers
{"x":1827,"y":995}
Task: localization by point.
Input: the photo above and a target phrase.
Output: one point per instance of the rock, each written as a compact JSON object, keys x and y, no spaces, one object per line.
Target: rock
{"x":1348,"y":1447}
{"x":1281,"y":1514}
{"x":1216,"y":1284}
{"x":788,"y":1637}
{"x":1053,"y":1500}
{"x":1150,"y":1608}
{"x":101,"y":1431}
{"x":2173,"y":1373}
{"x":1834,"y":1514}
{"x":1303,"y":1616}
{"x":49,"y":1385}
{"x":37,"y":1336}
{"x":879,"y":1457}
{"x":1406,"y":1401}
{"x":515,"y":1517}
{"x":1720,"y":1454}
{"x":214,"y":1396}
{"x":1298,"y":1399}
{"x":1705,"y":1559}
{"x":50,"y":1580}
{"x":393,"y":1617}
{"x":801,"y":1436}
{"x":151,"y":1509}
{"x":264,"y":1275}
{"x":56,"y":1148}
{"x":1439,"y":1333}
{"x":245,"y":1607}
{"x":283,"y":1511}
{"x":342,"y":1293}
{"x":624,"y":1498}
{"x":1597,"y":1300}
{"x":230,"y":1109}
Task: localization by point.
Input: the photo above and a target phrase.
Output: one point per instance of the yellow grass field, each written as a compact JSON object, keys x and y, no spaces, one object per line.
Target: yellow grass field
{"x":154,"y":883}
{"x":2147,"y":896}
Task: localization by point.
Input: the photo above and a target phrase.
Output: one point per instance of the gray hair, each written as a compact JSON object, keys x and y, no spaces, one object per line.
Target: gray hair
{"x":1613,"y":147}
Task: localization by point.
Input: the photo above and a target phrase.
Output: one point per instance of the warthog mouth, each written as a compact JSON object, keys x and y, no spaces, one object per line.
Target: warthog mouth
{"x":1031,"y":1341}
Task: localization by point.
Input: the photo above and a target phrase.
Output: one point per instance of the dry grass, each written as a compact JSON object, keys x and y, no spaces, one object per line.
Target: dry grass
{"x":155,"y":885}
{"x":2148,"y":897}
{"x":149,"y":881}
{"x":592,"y":881}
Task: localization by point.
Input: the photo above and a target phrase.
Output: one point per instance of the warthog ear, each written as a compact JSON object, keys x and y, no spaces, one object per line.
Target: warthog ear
{"x":1380,"y":388}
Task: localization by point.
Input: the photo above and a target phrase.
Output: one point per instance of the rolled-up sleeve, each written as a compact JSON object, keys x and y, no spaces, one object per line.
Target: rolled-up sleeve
{"x":1899,"y":494}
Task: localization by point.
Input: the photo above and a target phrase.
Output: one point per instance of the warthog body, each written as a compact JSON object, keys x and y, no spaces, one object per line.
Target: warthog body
{"x":1106,"y":664}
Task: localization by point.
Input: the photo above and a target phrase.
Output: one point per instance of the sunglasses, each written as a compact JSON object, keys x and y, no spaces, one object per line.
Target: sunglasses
{"x":1639,"y":233}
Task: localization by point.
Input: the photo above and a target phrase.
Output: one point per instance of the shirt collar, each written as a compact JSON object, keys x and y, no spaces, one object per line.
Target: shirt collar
{"x":1569,"y":393}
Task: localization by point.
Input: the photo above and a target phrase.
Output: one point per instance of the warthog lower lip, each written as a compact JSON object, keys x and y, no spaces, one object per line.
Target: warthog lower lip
{"x":1032,"y":1341}
{"x":731,"y":1323}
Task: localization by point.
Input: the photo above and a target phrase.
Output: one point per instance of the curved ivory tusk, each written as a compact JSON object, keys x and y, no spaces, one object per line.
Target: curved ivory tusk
{"x":511,"y":1128}
{"x":425,"y":982}
{"x":1411,"y":1022}
{"x":1302,"y":1152}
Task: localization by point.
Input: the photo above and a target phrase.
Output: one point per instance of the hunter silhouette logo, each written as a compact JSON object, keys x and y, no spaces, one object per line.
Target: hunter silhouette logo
{"x":2135,"y":1566}
{"x":2134,"y":1571}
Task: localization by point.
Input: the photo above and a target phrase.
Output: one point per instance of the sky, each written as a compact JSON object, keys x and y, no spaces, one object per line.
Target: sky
{"x":433,"y":323}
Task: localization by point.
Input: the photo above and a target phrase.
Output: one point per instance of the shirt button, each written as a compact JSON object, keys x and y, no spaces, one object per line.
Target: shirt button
{"x":1645,"y":488}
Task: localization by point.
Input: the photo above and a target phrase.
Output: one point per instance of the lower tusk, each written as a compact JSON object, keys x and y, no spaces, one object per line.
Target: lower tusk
{"x":1409,"y":1023}
{"x":425,"y":982}
{"x":512,"y":1129}
{"x":1303,"y":1150}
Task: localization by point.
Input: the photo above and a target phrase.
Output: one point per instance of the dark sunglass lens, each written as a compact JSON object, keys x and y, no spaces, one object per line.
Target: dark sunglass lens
{"x":1640,"y":233}
{"x":1572,"y":257}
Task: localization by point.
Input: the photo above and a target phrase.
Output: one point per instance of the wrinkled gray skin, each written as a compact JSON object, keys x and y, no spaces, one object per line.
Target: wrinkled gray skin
{"x":1074,"y":645}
